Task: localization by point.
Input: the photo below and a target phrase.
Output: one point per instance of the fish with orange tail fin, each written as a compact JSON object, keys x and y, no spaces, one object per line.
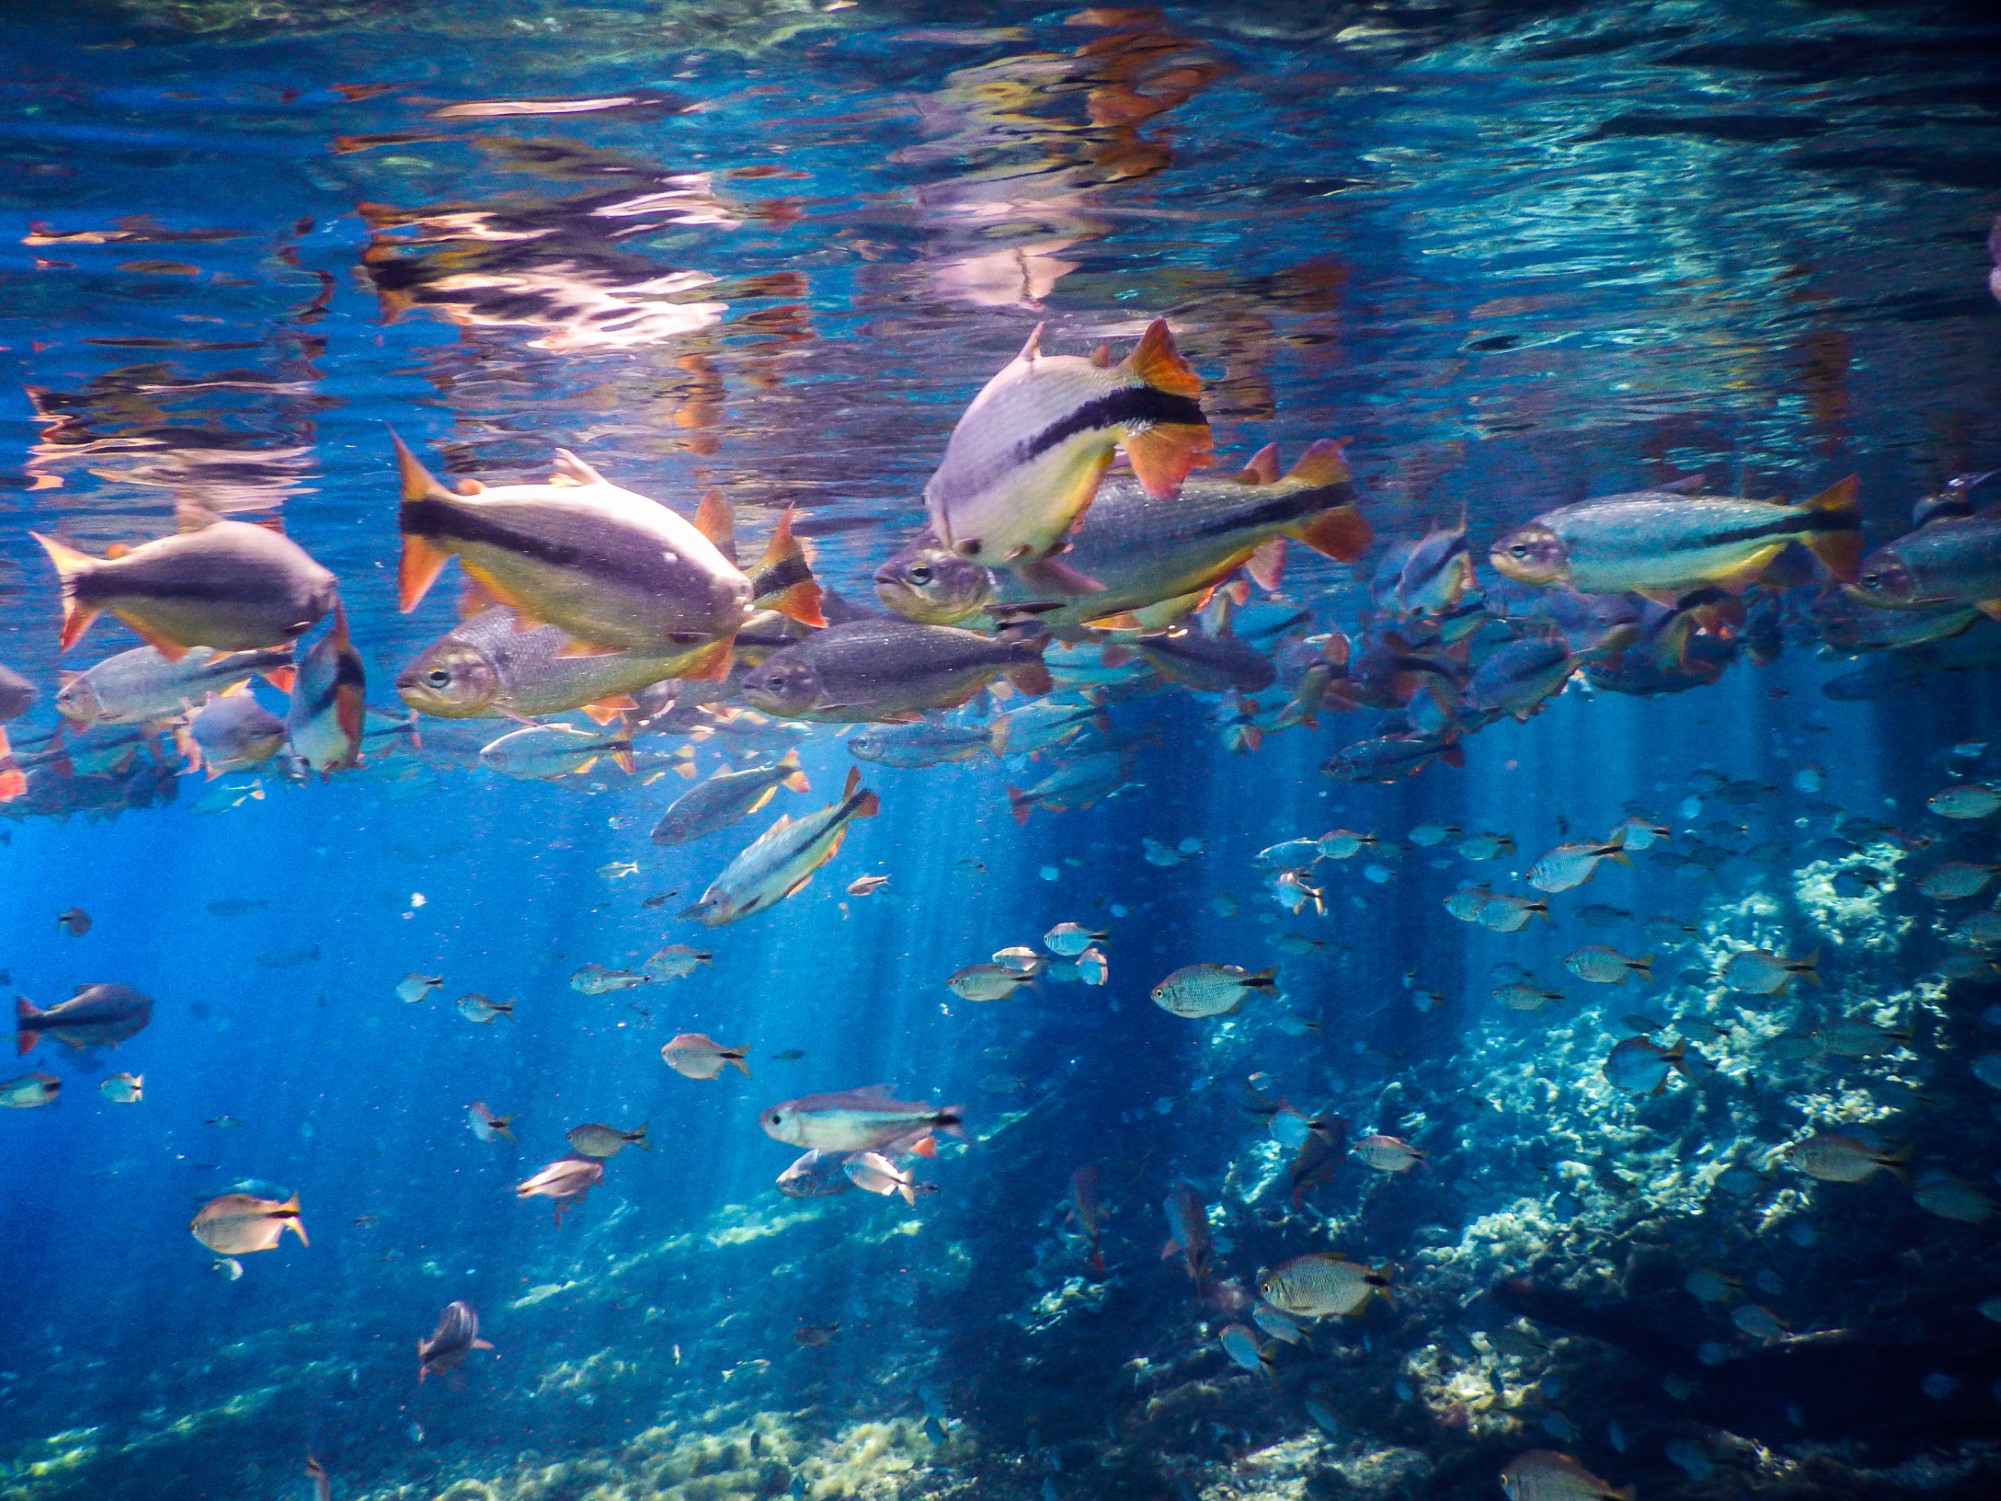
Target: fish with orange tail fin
{"x":783,"y":858}
{"x":1025,"y":460}
{"x":324,"y":719}
{"x":231,"y":585}
{"x":614,"y":569}
{"x":1152,"y":562}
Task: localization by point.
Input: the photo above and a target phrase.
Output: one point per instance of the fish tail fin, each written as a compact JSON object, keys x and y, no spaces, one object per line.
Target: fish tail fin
{"x":282,"y":678}
{"x":926,"y":1146}
{"x":1541,"y":909}
{"x":70,"y":566}
{"x":621,"y":749}
{"x":639,"y":1138}
{"x":783,"y":578}
{"x":1837,"y":538}
{"x":909,"y":1193}
{"x":1808,"y":969}
{"x":289,"y":1210}
{"x":500,"y":1129}
{"x":952,"y":1121}
{"x":1018,"y":804}
{"x":1264,"y":979}
{"x":1644,"y":965}
{"x":740,"y":1057}
{"x":422,"y":559}
{"x":868,"y":804}
{"x":13,"y":780}
{"x":1615,"y":848}
{"x":24,"y":1010}
{"x":796,"y":780}
{"x":482,"y":1344}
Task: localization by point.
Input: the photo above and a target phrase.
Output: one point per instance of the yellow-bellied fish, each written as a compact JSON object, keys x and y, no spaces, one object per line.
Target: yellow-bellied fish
{"x":1955,"y":560}
{"x":546,"y":751}
{"x":1153,"y":562}
{"x":230,"y":585}
{"x":616,"y":570}
{"x":711,"y":806}
{"x":1026,"y":457}
{"x":783,"y":858}
{"x":1662,"y":541}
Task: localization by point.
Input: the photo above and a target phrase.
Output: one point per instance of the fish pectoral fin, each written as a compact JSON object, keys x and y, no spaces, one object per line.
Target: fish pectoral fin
{"x":1163,"y":455}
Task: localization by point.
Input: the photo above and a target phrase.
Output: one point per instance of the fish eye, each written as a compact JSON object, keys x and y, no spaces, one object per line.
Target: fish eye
{"x":1519,"y":550}
{"x":437,"y":677}
{"x":1872,"y":580}
{"x":920,"y":574}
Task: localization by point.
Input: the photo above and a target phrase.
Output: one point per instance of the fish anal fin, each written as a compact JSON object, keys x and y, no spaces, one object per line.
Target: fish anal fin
{"x":1266,"y":564}
{"x":1163,"y":455}
{"x":173,"y":651}
{"x":712,"y":663}
{"x":418,"y":568}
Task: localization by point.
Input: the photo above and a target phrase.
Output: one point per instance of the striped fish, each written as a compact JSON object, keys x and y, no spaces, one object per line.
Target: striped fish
{"x":1152,"y":562}
{"x":1660,"y":542}
{"x":225,"y":584}
{"x":1026,"y":457}
{"x":783,"y":858}
{"x":324,"y":719}
{"x":617,"y":571}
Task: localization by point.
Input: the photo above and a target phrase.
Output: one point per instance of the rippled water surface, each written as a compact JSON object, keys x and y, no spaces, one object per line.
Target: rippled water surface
{"x":1517,"y":255}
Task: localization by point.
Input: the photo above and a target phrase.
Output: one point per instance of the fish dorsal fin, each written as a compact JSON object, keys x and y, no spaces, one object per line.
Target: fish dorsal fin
{"x":854,"y":780}
{"x":571,"y":470}
{"x":715,"y":520}
{"x":1322,"y":463}
{"x":117,"y":550}
{"x":1263,"y":467}
{"x":191,"y":517}
{"x":418,"y":482}
{"x":468,"y":486}
{"x":1102,"y":357}
{"x":1033,"y":348}
{"x":873,"y":1091}
{"x":1159,"y":364}
{"x":1688,"y":484}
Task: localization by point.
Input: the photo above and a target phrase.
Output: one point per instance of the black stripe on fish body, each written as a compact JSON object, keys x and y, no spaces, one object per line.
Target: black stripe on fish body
{"x":198,"y":586}
{"x":1135,"y":406}
{"x":1797,"y":522}
{"x":440,"y":521}
{"x":1278,"y":510}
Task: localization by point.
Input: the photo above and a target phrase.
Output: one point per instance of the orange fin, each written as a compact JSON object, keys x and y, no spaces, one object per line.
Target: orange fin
{"x":621,"y":752}
{"x":1341,"y":533}
{"x":1157,"y":362}
{"x":1163,"y":455}
{"x":282,"y":678}
{"x":712,"y":663}
{"x":1266,"y":564}
{"x":1263,"y":467}
{"x":418,"y":482}
{"x":715,"y":520}
{"x":796,"y":778}
{"x":783,"y":579}
{"x":70,"y":566}
{"x":173,"y":651}
{"x":1322,"y":464}
{"x":605,"y":710}
{"x":573,"y":647}
{"x":854,"y":780}
{"x":418,"y":569}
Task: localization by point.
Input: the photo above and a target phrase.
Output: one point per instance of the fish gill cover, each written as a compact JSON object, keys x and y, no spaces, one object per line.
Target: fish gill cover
{"x":1391,"y":892}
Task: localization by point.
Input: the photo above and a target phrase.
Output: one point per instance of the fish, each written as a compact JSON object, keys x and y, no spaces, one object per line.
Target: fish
{"x":783,"y":858}
{"x":13,"y":780}
{"x":493,"y":665}
{"x":141,"y":685}
{"x":1948,"y":561}
{"x":814,"y":1336}
{"x":231,"y":1270}
{"x":816,"y":1175}
{"x":598,"y":1141}
{"x":97,"y":1016}
{"x":17,"y":694}
{"x":1956,"y":880}
{"x":891,"y":670}
{"x":486,"y":1125}
{"x":1433,"y":576}
{"x":614,"y":569}
{"x":1966,"y":801}
{"x":1660,"y":543}
{"x":1545,"y":1475}
{"x":1026,"y":457}
{"x":1201,"y":990}
{"x":1088,"y":1214}
{"x":544,"y":752}
{"x":1571,"y":865}
{"x":1485,"y":846}
{"x":564,"y":1179}
{"x":1322,"y":1284}
{"x":1387,"y":1154}
{"x":858,"y":1120}
{"x":75,"y":922}
{"x":229,"y":585}
{"x":324,"y":718}
{"x":919,"y":742}
{"x":1044,"y":725}
{"x":235,"y":1224}
{"x":475,"y":1007}
{"x":1244,"y":1348}
{"x":289,"y":958}
{"x":696,"y":1055}
{"x":413,"y":988}
{"x":1070,"y":939}
{"x":986,"y":982}
{"x":1073,"y":785}
{"x":875,"y":1173}
{"x":1639,"y":1065}
{"x":456,"y":1337}
{"x":1525,"y":995}
{"x":223,"y":1122}
{"x":1760,"y":972}
{"x":595,"y":979}
{"x":1280,"y":1326}
{"x":26,"y":1091}
{"x":1836,"y":1157}
{"x":1151,"y":563}
{"x":231,"y":732}
{"x":1390,"y":758}
{"x":676,"y":961}
{"x":867,"y":885}
{"x":1188,"y":1238}
{"x":1606,"y":966}
{"x":1504,"y":913}
{"x":1521,"y":677}
{"x":712,"y":806}
{"x":124,"y":1089}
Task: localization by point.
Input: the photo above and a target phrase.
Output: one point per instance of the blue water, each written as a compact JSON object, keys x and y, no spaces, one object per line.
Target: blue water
{"x":1518,"y":255}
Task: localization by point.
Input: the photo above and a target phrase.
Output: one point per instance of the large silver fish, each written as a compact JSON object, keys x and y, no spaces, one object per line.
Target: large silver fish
{"x":139,"y":685}
{"x":890,"y":670}
{"x":617,"y":571}
{"x":1025,"y":459}
{"x":857,"y":1120}
{"x":1954,"y":560}
{"x":489,"y":667}
{"x":783,"y":858}
{"x":97,"y":1016}
{"x":724,"y":798}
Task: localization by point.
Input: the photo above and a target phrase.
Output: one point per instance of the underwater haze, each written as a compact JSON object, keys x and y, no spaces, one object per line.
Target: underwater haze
{"x":653,"y":853}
